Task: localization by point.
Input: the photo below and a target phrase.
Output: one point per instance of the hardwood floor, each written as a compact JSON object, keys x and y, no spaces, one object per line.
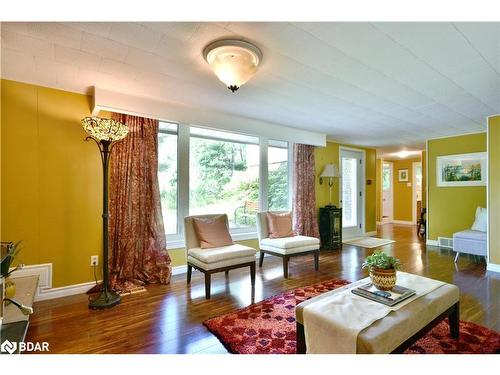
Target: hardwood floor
{"x":167,"y":319}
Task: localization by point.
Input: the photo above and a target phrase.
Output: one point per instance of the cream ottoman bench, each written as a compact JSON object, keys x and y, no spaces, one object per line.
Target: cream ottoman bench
{"x":397,"y":331}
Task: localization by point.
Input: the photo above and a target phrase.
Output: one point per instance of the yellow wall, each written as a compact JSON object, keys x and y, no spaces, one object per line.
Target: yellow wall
{"x":452,"y":209}
{"x":403,"y":191}
{"x":329,"y":155}
{"x":494,"y":189}
{"x":51,"y":180}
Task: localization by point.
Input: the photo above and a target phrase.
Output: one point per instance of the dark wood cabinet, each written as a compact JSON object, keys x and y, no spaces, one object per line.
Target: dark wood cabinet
{"x":330,"y":227}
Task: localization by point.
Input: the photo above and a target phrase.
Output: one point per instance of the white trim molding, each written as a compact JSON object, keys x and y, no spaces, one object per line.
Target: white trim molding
{"x":105,"y":100}
{"x":493,"y":267}
{"x":65,"y":291}
{"x":403,"y":222}
{"x":179,"y":270}
{"x":45,"y":290}
{"x":432,"y":243}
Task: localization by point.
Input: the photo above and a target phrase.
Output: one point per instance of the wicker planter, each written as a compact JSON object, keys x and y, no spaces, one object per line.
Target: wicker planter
{"x":383,"y":279}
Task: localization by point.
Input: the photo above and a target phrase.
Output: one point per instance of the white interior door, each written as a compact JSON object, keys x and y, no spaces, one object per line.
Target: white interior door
{"x":417,"y":190}
{"x":352,"y":192}
{"x":387,"y":193}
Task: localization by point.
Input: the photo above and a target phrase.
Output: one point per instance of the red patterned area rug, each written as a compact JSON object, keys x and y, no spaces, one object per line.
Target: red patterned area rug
{"x":268,"y":327}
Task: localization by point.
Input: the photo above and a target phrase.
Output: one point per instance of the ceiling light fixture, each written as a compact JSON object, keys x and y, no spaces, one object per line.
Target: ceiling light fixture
{"x":403,"y":154}
{"x":234,"y":62}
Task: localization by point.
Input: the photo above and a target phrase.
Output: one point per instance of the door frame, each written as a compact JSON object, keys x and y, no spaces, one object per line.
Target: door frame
{"x":390,"y":219}
{"x":414,"y":190}
{"x":363,"y":182}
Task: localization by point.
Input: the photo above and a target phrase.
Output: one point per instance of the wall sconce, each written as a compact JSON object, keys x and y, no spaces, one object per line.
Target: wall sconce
{"x":329,"y":171}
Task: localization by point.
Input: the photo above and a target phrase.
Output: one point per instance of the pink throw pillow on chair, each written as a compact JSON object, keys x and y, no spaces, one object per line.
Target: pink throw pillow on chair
{"x":212,"y":232}
{"x":280,"y":225}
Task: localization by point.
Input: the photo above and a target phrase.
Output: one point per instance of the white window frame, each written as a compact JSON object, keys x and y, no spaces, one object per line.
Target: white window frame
{"x":175,"y":241}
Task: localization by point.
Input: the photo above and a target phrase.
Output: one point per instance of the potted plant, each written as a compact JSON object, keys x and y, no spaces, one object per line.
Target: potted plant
{"x":382,"y":269}
{"x":5,"y":270}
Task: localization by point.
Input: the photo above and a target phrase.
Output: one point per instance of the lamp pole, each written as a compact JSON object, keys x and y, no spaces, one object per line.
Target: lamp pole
{"x":105,"y":133}
{"x":107,"y":298}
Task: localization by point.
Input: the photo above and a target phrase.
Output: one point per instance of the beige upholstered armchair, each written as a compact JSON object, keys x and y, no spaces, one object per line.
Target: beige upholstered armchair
{"x":285,"y":247}
{"x":216,"y":259}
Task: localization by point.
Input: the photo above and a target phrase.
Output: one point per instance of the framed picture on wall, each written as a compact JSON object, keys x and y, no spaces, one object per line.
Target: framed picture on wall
{"x":461,"y":170}
{"x":403,"y":175}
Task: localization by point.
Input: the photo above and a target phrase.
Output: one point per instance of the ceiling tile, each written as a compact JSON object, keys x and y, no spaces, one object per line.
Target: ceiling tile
{"x":77,"y":58}
{"x":135,"y":35}
{"x":385,"y":85}
{"x":56,"y":33}
{"x":23,"y":43}
{"x":104,"y":47}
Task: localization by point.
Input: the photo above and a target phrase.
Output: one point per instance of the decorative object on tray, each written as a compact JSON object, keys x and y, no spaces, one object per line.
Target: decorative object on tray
{"x":461,"y":170}
{"x":382,"y":269}
{"x":389,"y":298}
{"x":403,"y":175}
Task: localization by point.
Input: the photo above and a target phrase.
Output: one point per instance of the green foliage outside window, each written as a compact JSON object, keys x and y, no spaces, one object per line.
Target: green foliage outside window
{"x":216,"y":166}
{"x":217,"y":162}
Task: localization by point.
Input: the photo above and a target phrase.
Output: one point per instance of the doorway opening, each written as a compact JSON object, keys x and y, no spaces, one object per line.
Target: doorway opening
{"x":387,"y":192}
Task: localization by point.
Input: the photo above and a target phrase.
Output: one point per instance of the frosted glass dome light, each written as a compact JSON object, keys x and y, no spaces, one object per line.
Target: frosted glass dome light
{"x":234,"y":62}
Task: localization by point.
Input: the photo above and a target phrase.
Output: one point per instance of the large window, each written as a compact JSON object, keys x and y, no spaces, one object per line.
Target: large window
{"x":167,"y":174}
{"x":224,"y":175}
{"x":277,"y":180}
{"x":205,"y":171}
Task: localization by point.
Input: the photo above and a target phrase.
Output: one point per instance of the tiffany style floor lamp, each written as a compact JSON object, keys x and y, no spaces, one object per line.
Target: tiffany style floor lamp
{"x":105,"y":133}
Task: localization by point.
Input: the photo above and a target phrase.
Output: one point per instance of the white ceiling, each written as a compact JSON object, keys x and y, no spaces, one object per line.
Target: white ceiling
{"x":386,"y":85}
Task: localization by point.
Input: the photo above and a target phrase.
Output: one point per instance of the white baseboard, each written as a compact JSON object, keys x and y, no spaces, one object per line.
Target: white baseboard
{"x":45,"y":290}
{"x":432,"y":243}
{"x":403,"y":222}
{"x":65,"y":291}
{"x":179,"y":270}
{"x":493,"y":267}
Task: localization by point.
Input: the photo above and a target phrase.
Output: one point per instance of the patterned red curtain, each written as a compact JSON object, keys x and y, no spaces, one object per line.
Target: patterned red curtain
{"x":138,"y":246}
{"x":304,"y":196}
